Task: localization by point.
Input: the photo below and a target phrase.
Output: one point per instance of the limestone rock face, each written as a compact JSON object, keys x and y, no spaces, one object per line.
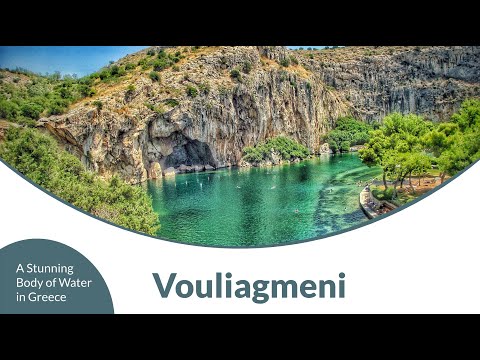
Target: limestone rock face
{"x":324,"y":149}
{"x":159,"y":125}
{"x":276,"y":158}
{"x":155,"y":171}
{"x":431,"y":81}
{"x":169,"y":172}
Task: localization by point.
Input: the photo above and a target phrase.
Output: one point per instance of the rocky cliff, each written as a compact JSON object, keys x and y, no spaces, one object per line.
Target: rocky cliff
{"x":201,"y":113}
{"x":373,"y":82}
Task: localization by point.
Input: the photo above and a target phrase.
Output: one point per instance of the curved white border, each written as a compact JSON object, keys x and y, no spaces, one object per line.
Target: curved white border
{"x":423,"y":259}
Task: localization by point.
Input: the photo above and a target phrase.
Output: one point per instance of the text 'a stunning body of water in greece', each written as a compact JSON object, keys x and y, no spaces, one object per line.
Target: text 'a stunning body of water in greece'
{"x":262,"y":206}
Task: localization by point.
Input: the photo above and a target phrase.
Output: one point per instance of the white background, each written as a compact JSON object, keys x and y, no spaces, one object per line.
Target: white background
{"x":424,"y":259}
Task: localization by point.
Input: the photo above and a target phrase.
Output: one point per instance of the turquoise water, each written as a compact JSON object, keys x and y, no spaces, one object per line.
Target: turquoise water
{"x":258,"y":206}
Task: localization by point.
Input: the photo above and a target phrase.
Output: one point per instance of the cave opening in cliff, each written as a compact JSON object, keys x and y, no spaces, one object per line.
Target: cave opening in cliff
{"x":190,"y":153}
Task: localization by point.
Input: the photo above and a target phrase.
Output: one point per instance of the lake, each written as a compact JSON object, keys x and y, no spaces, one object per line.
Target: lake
{"x":262,"y":206}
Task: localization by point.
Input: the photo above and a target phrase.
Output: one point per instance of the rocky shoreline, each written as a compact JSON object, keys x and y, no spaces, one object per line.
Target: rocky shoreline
{"x":273,"y":160}
{"x":184,"y":169}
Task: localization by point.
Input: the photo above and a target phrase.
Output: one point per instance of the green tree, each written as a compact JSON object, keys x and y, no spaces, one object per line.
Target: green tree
{"x":468,"y":117}
{"x":129,"y":66}
{"x":420,"y":165}
{"x":192,"y":91}
{"x":114,"y":69}
{"x":155,"y":76}
{"x":104,"y":74}
{"x":390,"y":145}
{"x":456,"y":144}
{"x":86,"y":90}
{"x":65,"y":93}
{"x":288,"y":149}
{"x":345,"y":146}
{"x":400,"y":165}
{"x":285,"y":62}
{"x":247,"y":67}
{"x":31,"y":110}
{"x":56,"y":109}
{"x":235,"y":74}
{"x":347,"y":131}
{"x":161,"y":64}
{"x":464,"y":150}
{"x":8,"y":110}
{"x":452,"y":161}
{"x":333,"y":145}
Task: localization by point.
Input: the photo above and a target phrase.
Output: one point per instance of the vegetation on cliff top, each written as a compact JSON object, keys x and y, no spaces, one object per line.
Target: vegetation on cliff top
{"x":407,"y":145}
{"x":25,"y":96}
{"x":285,"y":148}
{"x":38,"y":157}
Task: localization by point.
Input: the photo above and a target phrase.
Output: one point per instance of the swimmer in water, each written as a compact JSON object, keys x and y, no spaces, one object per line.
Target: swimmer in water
{"x":296,"y":211}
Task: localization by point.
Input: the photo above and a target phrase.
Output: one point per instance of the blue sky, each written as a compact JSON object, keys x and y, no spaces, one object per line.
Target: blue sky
{"x":80,"y":60}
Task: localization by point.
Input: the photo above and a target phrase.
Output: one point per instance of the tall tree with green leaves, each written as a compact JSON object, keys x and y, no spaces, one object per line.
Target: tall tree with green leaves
{"x":456,"y":144}
{"x":397,"y":147}
{"x":347,"y":132}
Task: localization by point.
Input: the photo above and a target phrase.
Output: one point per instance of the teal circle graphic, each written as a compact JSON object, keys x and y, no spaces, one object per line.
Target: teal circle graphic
{"x":40,"y":276}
